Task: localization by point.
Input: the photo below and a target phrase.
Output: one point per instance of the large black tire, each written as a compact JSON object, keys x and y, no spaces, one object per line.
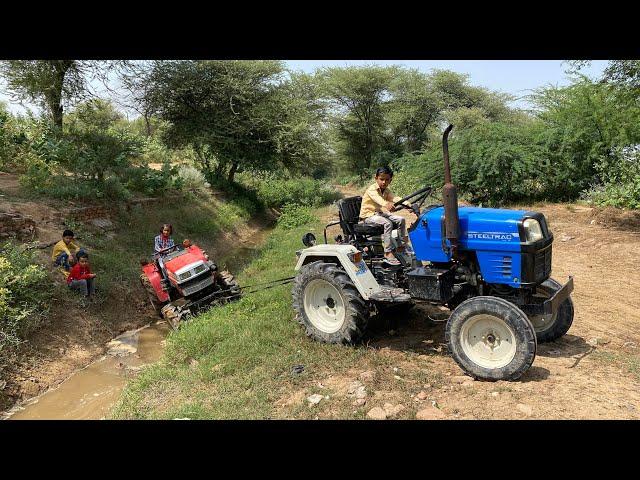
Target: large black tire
{"x":230,"y":283}
{"x":342,"y":319}
{"x":151,"y":294}
{"x":491,"y":339}
{"x":560,"y":322}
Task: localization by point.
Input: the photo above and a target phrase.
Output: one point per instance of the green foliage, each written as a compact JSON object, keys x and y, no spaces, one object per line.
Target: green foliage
{"x":273,"y":190}
{"x":23,"y":295}
{"x":295,"y":215}
{"x":620,"y":173}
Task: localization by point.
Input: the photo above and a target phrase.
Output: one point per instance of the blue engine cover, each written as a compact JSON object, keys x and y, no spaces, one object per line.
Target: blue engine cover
{"x":491,"y":233}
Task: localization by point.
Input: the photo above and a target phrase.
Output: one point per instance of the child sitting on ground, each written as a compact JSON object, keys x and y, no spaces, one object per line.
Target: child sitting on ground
{"x":65,"y":252}
{"x":80,"y":277}
{"x":376,"y":198}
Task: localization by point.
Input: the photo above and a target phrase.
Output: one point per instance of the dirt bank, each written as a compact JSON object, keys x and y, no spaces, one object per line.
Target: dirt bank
{"x":73,"y":336}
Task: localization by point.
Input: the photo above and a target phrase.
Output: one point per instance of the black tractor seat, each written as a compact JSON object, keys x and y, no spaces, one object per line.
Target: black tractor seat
{"x":349,"y":212}
{"x":368,"y":229}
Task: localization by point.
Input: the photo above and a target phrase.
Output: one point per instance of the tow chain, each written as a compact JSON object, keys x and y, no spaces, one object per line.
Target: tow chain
{"x":271,"y":284}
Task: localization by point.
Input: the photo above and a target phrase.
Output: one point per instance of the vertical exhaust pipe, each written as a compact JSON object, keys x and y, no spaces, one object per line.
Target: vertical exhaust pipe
{"x":450,"y":198}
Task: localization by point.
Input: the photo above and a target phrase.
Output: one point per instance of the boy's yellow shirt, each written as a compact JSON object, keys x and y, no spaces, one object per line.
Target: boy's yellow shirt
{"x":373,"y":201}
{"x":61,"y":247}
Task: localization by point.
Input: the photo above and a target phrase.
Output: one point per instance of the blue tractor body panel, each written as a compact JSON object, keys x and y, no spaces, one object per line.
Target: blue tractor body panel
{"x":491,"y":233}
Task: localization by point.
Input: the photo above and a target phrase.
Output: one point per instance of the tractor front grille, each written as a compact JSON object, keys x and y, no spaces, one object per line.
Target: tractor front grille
{"x":197,"y":284}
{"x":542,"y":264}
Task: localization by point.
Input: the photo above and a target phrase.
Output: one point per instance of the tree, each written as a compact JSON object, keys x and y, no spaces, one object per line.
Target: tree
{"x":54,"y":84}
{"x":359,"y":97}
{"x":235,"y":114}
{"x":415,"y":106}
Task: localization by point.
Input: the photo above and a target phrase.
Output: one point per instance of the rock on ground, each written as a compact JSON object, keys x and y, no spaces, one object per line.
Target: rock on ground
{"x":392,"y":410}
{"x":315,"y":398}
{"x":430,"y":413}
{"x":377,"y":413}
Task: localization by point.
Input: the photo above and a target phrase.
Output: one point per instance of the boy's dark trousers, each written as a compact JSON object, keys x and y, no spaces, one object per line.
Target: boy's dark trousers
{"x":86,"y":287}
{"x":63,"y":259}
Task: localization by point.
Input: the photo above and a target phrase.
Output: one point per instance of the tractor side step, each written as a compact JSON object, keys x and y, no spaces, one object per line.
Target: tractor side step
{"x":390,"y":295}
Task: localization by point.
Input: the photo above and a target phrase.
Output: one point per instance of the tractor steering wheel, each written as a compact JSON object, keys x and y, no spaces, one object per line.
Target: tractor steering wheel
{"x":165,"y":250}
{"x":419,"y":196}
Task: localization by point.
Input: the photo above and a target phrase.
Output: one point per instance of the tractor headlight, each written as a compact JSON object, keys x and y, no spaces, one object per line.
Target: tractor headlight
{"x":185,"y":275}
{"x":532,"y":230}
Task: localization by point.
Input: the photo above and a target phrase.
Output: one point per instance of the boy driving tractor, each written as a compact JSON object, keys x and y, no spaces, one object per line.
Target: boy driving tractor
{"x":376,"y":198}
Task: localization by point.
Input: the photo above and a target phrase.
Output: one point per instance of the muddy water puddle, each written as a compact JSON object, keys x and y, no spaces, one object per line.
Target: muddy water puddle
{"x":91,"y":392}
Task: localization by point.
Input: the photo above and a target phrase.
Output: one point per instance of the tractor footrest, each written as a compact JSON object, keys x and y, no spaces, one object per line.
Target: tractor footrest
{"x":390,"y":295}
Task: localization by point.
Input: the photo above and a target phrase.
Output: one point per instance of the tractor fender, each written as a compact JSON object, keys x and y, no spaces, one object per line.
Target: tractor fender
{"x":359,"y":273}
{"x":155,"y":278}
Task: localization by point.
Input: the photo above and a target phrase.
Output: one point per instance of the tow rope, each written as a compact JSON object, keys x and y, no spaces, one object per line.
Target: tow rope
{"x":271,"y":284}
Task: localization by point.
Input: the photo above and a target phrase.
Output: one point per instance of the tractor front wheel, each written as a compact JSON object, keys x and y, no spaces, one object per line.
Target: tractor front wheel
{"x":560,"y":322}
{"x":491,"y":339}
{"x":328,"y":304}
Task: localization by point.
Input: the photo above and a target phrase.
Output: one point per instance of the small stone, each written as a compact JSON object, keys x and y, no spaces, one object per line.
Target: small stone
{"x":194,"y":363}
{"x":598,"y":341}
{"x":393,"y":410}
{"x":526,"y":409}
{"x":359,"y":402}
{"x":495,"y":394}
{"x":430,"y":413}
{"x":427,"y":386}
{"x":630,"y":344}
{"x":566,"y":238}
{"x":397,"y":377}
{"x":377,"y":413}
{"x":314,"y":399}
{"x":422,"y":395}
{"x":395,"y":369}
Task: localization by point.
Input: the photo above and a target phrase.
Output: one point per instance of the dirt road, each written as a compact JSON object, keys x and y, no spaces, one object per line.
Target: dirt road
{"x":591,"y":373}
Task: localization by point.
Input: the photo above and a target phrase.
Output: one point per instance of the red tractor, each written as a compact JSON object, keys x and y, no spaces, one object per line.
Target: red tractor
{"x":183,"y":281}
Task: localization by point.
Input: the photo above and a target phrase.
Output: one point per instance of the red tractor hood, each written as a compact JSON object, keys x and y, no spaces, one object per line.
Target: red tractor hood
{"x":189,"y":256}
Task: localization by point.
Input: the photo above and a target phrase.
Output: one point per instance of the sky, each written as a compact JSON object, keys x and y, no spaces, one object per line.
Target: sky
{"x":516,"y":77}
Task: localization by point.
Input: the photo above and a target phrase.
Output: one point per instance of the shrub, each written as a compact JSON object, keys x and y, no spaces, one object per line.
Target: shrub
{"x":23,"y":294}
{"x":294,"y":215}
{"x":275,"y":191}
{"x":192,"y":179}
{"x":620,"y":179}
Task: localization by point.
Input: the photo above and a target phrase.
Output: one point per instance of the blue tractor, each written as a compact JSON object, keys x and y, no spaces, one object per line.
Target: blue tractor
{"x":490,"y":267}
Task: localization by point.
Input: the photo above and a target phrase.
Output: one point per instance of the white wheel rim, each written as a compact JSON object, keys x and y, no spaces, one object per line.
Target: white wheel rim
{"x":324,"y":306}
{"x":538,"y":321}
{"x":488,"y":341}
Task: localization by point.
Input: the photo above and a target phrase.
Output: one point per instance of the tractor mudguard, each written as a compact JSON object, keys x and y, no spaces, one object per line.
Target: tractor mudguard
{"x":359,"y":273}
{"x":155,"y":279}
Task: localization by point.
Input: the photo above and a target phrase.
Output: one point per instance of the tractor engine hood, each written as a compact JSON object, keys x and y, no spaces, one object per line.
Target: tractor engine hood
{"x":497,"y":236}
{"x":189,"y":264}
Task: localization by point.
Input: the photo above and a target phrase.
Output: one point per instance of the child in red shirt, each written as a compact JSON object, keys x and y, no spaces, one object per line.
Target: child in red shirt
{"x":80,"y":277}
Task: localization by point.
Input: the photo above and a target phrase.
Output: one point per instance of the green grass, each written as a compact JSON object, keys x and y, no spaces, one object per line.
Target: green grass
{"x":243,"y":352}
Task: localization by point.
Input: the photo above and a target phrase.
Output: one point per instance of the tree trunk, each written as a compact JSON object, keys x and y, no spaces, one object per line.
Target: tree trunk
{"x":232,"y":171}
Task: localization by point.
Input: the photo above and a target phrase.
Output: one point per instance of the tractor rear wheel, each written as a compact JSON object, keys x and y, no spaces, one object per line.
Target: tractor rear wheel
{"x":491,"y":339}
{"x":173,"y":316}
{"x":151,"y":294}
{"x":560,"y":322}
{"x":328,"y":304}
{"x":229,"y":282}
